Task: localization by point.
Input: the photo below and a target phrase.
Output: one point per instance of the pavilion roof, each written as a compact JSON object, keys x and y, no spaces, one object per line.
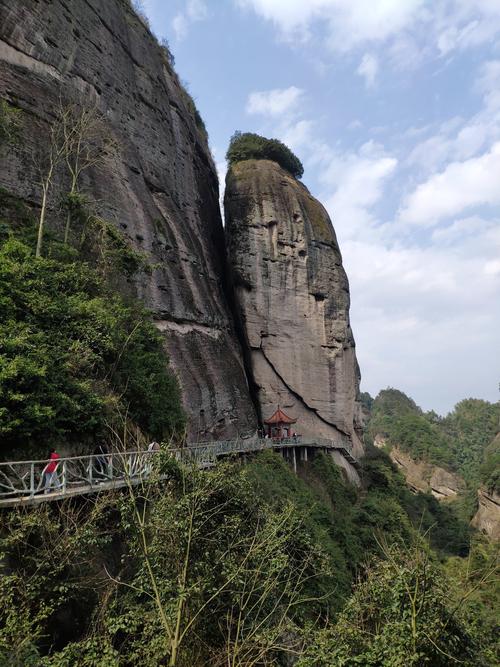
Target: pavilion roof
{"x":279,"y":417}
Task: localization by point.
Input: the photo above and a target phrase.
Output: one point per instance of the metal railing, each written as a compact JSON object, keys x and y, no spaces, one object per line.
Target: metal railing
{"x":80,"y":474}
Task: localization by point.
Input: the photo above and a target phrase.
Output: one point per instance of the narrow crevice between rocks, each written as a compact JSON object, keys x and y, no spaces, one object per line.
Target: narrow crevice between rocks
{"x":246,"y":350}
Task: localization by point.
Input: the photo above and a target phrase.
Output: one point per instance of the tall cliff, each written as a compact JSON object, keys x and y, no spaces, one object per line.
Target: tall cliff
{"x":160,"y":188}
{"x":294,"y":301}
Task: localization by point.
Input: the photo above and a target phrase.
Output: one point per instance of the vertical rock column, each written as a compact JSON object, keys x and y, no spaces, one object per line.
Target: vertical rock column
{"x":293,"y":297}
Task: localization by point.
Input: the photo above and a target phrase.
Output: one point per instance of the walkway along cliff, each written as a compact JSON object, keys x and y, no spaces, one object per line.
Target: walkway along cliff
{"x":280,"y":334}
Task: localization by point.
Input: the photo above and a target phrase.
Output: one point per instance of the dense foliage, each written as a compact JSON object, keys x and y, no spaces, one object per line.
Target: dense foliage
{"x":249,"y":146}
{"x":75,"y":357}
{"x":238,"y":566}
{"x":463,"y":441}
{"x":490,"y":467}
{"x":471,"y":426}
{"x":401,"y":615}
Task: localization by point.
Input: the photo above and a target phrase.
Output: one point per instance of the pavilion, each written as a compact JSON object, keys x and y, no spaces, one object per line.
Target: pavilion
{"x":278,"y":426}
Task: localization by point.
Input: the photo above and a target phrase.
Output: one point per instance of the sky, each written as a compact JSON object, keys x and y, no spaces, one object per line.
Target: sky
{"x":393,"y":106}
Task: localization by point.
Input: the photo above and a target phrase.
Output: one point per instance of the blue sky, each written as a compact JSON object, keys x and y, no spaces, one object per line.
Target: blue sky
{"x":393,"y":106}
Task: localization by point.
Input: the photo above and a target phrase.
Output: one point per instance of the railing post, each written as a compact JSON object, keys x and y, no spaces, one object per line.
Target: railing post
{"x":32,"y":479}
{"x":110,"y":466}
{"x":90,"y":471}
{"x":64,"y":477}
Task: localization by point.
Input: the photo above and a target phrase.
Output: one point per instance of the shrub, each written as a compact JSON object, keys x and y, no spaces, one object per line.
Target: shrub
{"x":400,"y":613}
{"x":249,"y":146}
{"x":74,"y":357}
{"x":10,"y":122}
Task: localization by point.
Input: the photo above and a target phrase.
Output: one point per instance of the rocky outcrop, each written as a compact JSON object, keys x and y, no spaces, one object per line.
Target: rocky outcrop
{"x":379,"y":441}
{"x":160,"y":188}
{"x":294,"y":301}
{"x":487,"y":517}
{"x":426,"y":477}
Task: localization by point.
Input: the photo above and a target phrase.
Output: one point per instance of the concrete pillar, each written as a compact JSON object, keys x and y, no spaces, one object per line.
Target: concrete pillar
{"x":294,"y":460}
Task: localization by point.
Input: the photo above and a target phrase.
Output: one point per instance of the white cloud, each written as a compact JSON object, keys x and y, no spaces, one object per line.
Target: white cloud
{"x":196,"y":10}
{"x":297,"y":135}
{"x":459,"y":139}
{"x":180,"y":26}
{"x":460,"y":229}
{"x":436,"y":309}
{"x":489,"y":84}
{"x":461,"y":186}
{"x":349,"y":23}
{"x":489,"y":77}
{"x":368,"y":69}
{"x":411,"y":29}
{"x":492,"y":268}
{"x":353,"y":183}
{"x":274,"y":102}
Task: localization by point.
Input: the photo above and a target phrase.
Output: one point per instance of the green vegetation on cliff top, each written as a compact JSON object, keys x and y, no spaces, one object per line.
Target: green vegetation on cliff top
{"x":250,"y":146}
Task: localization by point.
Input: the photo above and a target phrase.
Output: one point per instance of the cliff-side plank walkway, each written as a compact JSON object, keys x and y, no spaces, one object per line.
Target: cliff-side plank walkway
{"x":22,"y":482}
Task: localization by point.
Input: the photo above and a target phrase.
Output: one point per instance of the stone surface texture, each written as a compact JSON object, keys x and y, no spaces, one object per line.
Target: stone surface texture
{"x":293,"y":296}
{"x":487,"y":517}
{"x":426,"y":477}
{"x":160,"y":186}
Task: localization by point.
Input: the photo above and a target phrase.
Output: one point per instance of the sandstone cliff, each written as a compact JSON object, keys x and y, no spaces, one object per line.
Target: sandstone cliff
{"x":487,"y":517}
{"x":294,"y":301}
{"x":160,"y":189}
{"x":427,"y":477}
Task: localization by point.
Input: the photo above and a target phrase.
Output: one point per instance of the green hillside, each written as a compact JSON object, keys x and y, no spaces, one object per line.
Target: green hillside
{"x":463,"y":441}
{"x":246,"y":564}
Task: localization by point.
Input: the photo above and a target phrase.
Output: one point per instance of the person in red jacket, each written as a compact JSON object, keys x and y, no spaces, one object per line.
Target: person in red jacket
{"x":50,"y":477}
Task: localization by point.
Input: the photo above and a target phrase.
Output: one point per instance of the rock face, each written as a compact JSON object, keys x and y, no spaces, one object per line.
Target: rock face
{"x":487,"y":517}
{"x":294,"y":301}
{"x":426,"y":477}
{"x":160,"y":188}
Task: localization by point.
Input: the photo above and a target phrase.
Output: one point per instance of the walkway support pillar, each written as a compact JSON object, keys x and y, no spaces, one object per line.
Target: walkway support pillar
{"x":294,"y":460}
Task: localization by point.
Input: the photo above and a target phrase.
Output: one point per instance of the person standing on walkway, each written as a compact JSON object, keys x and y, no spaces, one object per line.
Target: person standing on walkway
{"x":50,"y":477}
